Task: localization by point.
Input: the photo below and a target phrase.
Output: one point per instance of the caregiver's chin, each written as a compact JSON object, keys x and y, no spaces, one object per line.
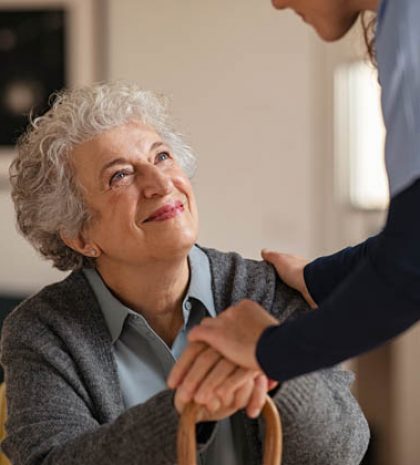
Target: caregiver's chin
{"x":331,"y":19}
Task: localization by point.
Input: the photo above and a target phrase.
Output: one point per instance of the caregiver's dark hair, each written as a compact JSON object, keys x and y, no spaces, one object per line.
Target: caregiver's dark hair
{"x":369,"y":31}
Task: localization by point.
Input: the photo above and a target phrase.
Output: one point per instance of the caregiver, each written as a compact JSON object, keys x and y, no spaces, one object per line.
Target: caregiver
{"x":369,"y":293}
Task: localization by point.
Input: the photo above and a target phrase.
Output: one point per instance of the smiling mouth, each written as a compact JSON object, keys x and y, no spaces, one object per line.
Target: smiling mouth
{"x":166,"y":212}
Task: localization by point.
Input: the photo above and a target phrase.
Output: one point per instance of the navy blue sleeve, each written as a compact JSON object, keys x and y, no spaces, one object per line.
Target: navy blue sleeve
{"x":377,"y":301}
{"x":324,"y":274}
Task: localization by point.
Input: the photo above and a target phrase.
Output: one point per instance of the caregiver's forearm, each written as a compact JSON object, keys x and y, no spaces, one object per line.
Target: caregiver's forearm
{"x":324,"y":274}
{"x":376,"y":302}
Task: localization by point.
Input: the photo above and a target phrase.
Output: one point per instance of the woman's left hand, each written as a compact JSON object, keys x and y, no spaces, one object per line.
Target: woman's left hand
{"x":216,"y":383}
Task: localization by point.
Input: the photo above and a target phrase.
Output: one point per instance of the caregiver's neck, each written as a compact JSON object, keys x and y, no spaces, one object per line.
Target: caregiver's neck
{"x":154,"y":289}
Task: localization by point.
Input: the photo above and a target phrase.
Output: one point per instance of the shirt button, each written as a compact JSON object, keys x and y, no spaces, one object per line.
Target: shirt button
{"x":188,"y":305}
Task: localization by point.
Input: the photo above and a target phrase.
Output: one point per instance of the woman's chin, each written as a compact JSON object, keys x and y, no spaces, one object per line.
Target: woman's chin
{"x":176,"y":243}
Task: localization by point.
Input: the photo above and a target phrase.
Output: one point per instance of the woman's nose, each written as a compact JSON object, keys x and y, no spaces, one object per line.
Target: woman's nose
{"x":155,"y":182}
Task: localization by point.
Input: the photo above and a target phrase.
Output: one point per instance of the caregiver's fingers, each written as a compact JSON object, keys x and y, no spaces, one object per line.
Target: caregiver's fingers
{"x":221,"y":334}
{"x":183,"y":365}
{"x":198,"y":371}
{"x":216,"y":377}
{"x":235,"y":332}
{"x":258,"y":396}
{"x":290,"y":269}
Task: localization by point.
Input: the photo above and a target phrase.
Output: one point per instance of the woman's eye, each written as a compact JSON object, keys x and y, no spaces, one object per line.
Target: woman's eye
{"x":162,"y":156}
{"x":120,"y":178}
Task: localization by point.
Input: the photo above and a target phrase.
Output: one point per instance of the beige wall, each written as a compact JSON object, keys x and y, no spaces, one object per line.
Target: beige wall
{"x":245,"y":86}
{"x":22,"y":271}
{"x":406,"y":398}
{"x":243,"y":81}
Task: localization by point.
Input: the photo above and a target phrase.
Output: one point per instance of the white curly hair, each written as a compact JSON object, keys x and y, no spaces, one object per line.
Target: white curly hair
{"x":47,"y":198}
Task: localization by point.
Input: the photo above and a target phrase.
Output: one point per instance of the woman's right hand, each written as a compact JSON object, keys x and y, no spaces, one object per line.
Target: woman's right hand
{"x":217,"y":408}
{"x":290,"y":269}
{"x":220,"y":387}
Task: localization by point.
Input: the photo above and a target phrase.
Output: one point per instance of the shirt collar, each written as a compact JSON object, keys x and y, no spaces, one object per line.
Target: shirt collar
{"x":115,"y":312}
{"x":199,"y":287}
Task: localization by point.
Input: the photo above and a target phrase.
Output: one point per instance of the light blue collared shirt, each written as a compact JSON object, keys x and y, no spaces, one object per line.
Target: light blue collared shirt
{"x":398,"y":56}
{"x":144,"y":360}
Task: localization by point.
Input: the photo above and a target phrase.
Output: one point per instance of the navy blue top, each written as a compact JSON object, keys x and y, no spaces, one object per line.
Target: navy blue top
{"x":369,"y":293}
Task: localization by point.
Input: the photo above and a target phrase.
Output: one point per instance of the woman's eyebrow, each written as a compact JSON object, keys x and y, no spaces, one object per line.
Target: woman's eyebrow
{"x":155,"y":145}
{"x":121,"y":160}
{"x":114,"y":161}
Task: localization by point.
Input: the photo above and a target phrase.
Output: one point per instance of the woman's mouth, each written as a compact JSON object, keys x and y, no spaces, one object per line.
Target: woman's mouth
{"x":166,"y":212}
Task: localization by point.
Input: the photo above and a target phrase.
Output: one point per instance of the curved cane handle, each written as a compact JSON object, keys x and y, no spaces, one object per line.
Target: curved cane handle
{"x":186,"y":446}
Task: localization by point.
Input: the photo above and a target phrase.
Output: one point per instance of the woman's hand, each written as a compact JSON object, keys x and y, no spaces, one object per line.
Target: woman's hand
{"x":215,"y":383}
{"x":290,"y":269}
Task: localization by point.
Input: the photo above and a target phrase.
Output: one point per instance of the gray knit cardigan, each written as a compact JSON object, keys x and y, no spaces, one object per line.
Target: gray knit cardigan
{"x":64,"y":399}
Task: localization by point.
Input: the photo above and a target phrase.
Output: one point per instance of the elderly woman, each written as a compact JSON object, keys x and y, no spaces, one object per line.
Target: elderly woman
{"x":101,"y":187}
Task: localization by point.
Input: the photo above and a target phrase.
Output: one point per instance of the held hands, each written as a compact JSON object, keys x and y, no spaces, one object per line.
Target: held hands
{"x":219,"y":369}
{"x":234,"y":334}
{"x":219,"y":386}
{"x":225,"y":377}
{"x":290,"y":269}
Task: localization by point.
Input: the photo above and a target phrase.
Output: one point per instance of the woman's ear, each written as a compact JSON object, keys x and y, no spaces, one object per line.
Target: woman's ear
{"x":81,"y":245}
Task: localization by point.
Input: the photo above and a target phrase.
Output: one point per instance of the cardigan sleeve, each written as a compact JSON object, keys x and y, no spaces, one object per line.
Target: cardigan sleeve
{"x":53,"y":420}
{"x":322,"y":422}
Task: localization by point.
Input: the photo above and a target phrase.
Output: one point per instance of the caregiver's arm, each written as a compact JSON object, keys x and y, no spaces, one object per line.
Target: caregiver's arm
{"x":382,"y":297}
{"x":316,"y":280}
{"x":323,"y":275}
{"x":377,"y":301}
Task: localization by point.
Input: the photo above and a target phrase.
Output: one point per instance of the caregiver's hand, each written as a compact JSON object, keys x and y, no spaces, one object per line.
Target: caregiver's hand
{"x":290,"y":269}
{"x":234,"y":333}
{"x":218,"y":385}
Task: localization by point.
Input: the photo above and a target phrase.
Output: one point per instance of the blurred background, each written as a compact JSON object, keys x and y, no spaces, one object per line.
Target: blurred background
{"x":287,"y":130}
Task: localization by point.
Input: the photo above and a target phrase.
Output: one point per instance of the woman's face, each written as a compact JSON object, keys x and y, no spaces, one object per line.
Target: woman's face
{"x":143,"y":204}
{"x":330,"y":18}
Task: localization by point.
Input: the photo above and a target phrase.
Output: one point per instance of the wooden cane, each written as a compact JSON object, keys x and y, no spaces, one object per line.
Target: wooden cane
{"x":272,"y":442}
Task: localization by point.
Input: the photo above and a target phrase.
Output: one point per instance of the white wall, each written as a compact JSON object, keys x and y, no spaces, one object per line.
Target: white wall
{"x":242,"y":79}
